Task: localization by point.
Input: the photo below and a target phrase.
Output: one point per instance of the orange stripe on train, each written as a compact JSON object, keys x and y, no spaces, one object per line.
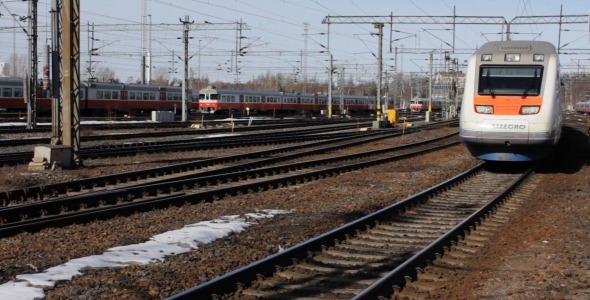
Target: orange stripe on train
{"x":507,"y":105}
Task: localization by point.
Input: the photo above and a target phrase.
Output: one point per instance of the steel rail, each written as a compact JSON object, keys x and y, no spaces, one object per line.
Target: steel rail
{"x":226,"y":283}
{"x":39,"y":192}
{"x":396,"y":279}
{"x":123,"y":136}
{"x":155,"y":146}
{"x":384,"y":287}
{"x":76,"y":207}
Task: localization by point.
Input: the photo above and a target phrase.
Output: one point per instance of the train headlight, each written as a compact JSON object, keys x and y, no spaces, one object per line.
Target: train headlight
{"x":486,"y":57}
{"x":512,"y":57}
{"x":538,"y":57}
{"x":484,"y":109}
{"x":529,"y":110}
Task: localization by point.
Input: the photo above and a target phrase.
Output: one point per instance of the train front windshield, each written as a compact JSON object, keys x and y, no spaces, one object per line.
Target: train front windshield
{"x":510,"y":80}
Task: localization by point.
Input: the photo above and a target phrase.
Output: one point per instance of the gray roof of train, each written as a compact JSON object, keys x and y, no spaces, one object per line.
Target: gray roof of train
{"x":539,"y":47}
{"x":269,"y":93}
{"x":127,"y":86}
{"x":15,"y":81}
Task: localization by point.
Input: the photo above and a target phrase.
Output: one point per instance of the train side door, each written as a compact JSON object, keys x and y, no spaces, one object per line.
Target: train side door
{"x":124,"y":94}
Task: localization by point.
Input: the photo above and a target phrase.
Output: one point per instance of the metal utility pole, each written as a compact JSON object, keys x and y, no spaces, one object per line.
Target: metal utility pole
{"x":144,"y":59}
{"x":379,"y":26}
{"x":14,"y":45}
{"x":330,"y":84}
{"x":185,"y":96}
{"x":238,"y":53}
{"x":304,"y":58}
{"x":429,"y":89}
{"x":91,"y":52}
{"x":330,"y":76}
{"x":341,"y":90}
{"x":149,"y":59}
{"x":199,"y":67}
{"x":66,"y":77}
{"x":56,"y":114}
{"x":31,"y":78}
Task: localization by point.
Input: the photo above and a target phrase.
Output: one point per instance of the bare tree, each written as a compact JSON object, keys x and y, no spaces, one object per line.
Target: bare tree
{"x":105,"y":74}
{"x":160,"y":76}
{"x":18,"y":66}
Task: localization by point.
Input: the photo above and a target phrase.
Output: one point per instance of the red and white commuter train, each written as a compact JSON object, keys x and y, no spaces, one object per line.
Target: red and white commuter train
{"x":212,"y":100}
{"x":101,"y":97}
{"x":512,"y":108}
{"x":98,"y":98}
{"x":582,"y":107}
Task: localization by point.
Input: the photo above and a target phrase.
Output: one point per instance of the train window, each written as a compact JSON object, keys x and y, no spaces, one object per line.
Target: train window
{"x":82,"y":94}
{"x":99,"y":95}
{"x":253,"y":99}
{"x":115,"y":95}
{"x":6,"y":92}
{"x":18,"y":92}
{"x":169,"y":96}
{"x":131,"y":95}
{"x":107,"y":94}
{"x":152,"y":96}
{"x":214,"y":96}
{"x":510,"y":80}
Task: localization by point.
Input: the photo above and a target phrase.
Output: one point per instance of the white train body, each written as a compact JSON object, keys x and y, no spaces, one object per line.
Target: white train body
{"x":511,"y":107}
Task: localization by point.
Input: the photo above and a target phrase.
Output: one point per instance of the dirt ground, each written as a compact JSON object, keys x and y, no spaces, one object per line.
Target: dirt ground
{"x":541,"y":253}
{"x":544,"y":251}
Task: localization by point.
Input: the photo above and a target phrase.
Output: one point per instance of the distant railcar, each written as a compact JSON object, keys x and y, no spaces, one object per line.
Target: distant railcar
{"x":582,"y":107}
{"x":100,"y":97}
{"x":422,"y":104}
{"x":213,"y":100}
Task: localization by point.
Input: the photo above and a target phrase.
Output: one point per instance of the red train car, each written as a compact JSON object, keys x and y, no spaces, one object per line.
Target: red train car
{"x":97,"y":98}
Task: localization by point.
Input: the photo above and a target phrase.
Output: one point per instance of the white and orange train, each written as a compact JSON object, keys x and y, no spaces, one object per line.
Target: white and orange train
{"x":101,"y":97}
{"x":512,"y":108}
{"x":213,"y":100}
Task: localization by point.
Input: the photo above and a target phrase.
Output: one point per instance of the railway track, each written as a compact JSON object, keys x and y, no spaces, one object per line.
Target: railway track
{"x":190,"y":188}
{"x":155,"y":175}
{"x":375,"y":255}
{"x":194,"y":132}
{"x":133,"y":148}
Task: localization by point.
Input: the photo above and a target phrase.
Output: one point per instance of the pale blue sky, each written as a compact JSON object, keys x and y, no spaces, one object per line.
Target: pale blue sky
{"x":275,"y":39}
